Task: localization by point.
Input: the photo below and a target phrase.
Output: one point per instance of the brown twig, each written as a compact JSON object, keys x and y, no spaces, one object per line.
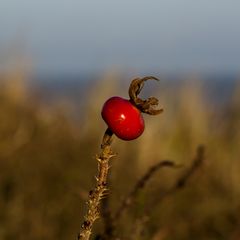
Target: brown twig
{"x":129,"y":199}
{"x":97,"y":194}
{"x":183,"y":179}
{"x":180,"y":183}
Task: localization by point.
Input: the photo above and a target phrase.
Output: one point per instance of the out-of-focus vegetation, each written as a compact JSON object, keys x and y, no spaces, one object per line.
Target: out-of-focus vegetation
{"x":47,"y":164}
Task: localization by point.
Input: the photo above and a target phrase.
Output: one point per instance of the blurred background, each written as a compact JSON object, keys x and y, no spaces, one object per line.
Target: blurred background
{"x":59,"y":62}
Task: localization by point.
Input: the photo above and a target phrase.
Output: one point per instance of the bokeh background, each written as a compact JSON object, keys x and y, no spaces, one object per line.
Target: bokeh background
{"x":59,"y":62}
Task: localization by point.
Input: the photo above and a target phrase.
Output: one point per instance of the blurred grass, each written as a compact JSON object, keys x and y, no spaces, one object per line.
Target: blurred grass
{"x":47,"y":164}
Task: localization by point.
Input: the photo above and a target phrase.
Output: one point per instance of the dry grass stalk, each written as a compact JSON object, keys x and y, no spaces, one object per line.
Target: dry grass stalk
{"x":98,"y":193}
{"x":129,"y":200}
{"x":180,"y":183}
{"x":197,"y":162}
{"x":182,"y":180}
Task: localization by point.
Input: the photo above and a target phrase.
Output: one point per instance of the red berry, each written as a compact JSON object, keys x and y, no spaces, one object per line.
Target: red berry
{"x":123,"y":118}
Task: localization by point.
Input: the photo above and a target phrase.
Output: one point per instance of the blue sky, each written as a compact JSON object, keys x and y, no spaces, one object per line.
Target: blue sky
{"x":161,"y":35}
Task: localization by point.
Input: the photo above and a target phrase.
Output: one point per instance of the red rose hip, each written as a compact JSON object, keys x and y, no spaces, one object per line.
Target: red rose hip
{"x":123,"y":118}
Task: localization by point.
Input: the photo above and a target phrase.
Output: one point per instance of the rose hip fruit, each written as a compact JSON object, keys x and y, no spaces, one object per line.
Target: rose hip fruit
{"x":123,"y":118}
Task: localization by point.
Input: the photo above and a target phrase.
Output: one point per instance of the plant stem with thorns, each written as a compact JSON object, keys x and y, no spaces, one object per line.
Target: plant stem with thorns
{"x":96,"y":195}
{"x":147,"y":106}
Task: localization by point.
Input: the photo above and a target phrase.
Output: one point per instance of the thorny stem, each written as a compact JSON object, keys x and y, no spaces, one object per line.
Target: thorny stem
{"x":95,"y":196}
{"x":98,"y":193}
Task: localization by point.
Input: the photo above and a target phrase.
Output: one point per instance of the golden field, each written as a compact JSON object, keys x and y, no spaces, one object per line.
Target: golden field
{"x":47,"y":164}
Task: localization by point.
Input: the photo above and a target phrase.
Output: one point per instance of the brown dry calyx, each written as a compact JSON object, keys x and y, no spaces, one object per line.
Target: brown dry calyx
{"x":146,"y":106}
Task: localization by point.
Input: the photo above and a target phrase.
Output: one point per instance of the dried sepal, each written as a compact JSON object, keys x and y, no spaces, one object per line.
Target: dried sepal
{"x":146,"y":106}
